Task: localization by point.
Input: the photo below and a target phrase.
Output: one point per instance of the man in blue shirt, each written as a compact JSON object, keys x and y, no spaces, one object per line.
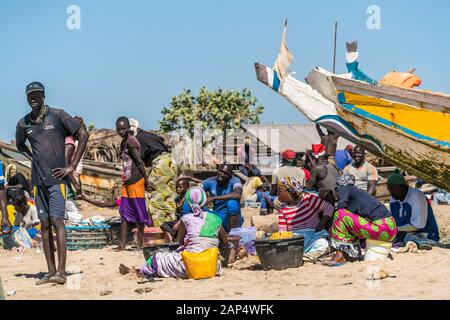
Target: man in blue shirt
{"x":6,"y":225}
{"x":225,"y":192}
{"x":411,"y":211}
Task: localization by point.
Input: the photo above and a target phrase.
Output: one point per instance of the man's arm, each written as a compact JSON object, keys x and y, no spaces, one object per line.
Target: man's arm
{"x":372,"y":187}
{"x":326,"y":208}
{"x":372,"y":179}
{"x":223,"y":238}
{"x":273,"y":190}
{"x":268,"y":200}
{"x":319,"y":130}
{"x":323,"y":222}
{"x":313,"y":179}
{"x":82,"y":137}
{"x":235,"y":195}
{"x":69,"y":149}
{"x":20,"y":143}
{"x":135,"y":155}
{"x":191,"y":178}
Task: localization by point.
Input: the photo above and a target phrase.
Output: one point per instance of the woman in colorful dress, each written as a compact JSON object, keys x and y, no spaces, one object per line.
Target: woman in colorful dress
{"x":199,"y":231}
{"x":161,"y":177}
{"x":132,"y":205}
{"x":359,"y":216}
{"x":304,"y":214}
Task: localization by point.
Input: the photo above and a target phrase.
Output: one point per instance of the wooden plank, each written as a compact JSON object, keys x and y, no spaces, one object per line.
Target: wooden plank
{"x":421,"y":99}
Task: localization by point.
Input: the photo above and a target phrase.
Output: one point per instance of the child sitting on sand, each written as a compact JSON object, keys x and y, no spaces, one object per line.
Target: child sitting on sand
{"x":170,"y":228}
{"x":26,"y":215}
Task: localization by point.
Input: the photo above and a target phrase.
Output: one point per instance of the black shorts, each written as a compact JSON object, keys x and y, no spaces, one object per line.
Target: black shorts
{"x":51,"y":201}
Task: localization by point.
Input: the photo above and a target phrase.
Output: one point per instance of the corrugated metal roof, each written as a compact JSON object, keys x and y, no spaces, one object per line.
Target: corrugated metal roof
{"x":279,"y":137}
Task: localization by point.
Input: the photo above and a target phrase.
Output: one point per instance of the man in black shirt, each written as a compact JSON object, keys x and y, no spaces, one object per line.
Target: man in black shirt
{"x":46,"y":128}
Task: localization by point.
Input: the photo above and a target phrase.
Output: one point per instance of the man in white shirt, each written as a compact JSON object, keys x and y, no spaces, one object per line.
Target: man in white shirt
{"x":411,"y":211}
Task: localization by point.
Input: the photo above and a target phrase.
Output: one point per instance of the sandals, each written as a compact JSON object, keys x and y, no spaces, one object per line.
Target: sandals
{"x":332,"y":263}
{"x":58,"y":279}
{"x":44,"y":280}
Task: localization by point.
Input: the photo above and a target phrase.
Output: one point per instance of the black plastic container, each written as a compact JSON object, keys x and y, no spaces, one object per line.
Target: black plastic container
{"x":151,"y":250}
{"x":280,"y":254}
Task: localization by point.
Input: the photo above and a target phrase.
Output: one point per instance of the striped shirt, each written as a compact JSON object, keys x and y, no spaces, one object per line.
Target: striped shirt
{"x":305,"y":215}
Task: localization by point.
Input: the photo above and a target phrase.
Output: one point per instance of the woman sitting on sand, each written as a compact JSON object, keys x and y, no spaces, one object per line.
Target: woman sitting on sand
{"x":359,"y":216}
{"x":304,"y":214}
{"x":198,"y":230}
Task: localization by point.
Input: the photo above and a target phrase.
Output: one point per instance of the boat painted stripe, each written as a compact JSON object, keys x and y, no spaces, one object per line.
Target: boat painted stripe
{"x":433,"y":124}
{"x":276,"y":82}
{"x":347,"y":127}
{"x":358,"y":111}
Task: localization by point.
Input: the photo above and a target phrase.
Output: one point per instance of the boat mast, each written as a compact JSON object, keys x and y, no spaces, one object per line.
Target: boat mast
{"x":334,"y":55}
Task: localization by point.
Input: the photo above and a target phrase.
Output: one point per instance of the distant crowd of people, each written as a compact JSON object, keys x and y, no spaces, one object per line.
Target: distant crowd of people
{"x":326,"y":195}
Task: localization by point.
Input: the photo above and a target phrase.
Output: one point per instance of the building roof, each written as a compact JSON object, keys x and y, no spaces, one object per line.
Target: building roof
{"x":279,"y":137}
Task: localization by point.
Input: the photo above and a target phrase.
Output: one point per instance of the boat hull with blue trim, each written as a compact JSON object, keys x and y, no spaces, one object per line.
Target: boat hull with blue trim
{"x":314,"y":106}
{"x":412,"y":126}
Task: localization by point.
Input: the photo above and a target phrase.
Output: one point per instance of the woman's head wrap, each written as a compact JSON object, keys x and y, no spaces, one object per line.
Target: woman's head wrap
{"x":196,"y":199}
{"x":291,"y":184}
{"x":134,"y":126}
{"x":9,"y":168}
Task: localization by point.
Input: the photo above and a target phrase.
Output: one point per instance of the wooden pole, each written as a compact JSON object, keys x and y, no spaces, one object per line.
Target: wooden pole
{"x":334,"y":55}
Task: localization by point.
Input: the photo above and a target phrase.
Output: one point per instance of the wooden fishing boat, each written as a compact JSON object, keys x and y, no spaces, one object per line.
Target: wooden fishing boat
{"x":412,"y":126}
{"x":10,"y":155}
{"x":409,"y":128}
{"x":100,"y":180}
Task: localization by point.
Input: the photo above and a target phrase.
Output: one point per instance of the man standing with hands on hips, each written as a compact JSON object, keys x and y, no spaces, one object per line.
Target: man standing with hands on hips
{"x":46,"y":128}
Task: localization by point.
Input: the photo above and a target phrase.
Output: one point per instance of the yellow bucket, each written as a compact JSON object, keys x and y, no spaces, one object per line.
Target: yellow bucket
{"x":377,"y":250}
{"x":281,"y":235}
{"x":201,"y":265}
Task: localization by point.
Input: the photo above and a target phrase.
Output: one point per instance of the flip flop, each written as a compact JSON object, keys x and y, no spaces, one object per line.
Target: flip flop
{"x":58,"y":279}
{"x":332,"y":264}
{"x":424,"y":246}
{"x":44,"y":280}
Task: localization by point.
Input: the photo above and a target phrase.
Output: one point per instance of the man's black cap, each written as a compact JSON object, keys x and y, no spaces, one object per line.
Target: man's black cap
{"x":35,"y":86}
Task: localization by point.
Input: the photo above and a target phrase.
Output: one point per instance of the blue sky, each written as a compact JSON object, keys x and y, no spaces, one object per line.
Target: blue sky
{"x":131,"y":57}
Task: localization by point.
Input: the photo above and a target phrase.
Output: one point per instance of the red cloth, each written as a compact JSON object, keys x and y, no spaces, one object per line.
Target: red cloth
{"x":307,"y":175}
{"x":318,"y":150}
{"x":288,"y":155}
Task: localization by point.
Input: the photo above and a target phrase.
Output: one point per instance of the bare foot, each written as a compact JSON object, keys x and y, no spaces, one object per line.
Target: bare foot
{"x":120,"y":248}
{"x":58,"y":278}
{"x":137,"y":273}
{"x":339,"y":257}
{"x":45,"y":279}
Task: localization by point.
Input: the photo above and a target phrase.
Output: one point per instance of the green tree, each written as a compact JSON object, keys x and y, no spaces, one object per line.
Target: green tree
{"x":217,"y":110}
{"x":91,"y":127}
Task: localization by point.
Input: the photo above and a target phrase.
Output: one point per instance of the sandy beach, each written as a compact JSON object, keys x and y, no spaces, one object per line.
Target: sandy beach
{"x":94,"y":275}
